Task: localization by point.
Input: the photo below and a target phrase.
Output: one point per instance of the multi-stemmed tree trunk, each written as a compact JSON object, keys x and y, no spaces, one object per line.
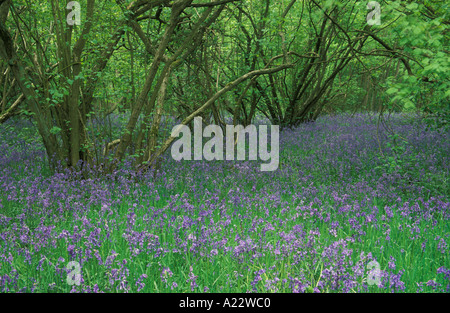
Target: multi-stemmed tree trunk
{"x":281,"y":60}
{"x":62,"y":102}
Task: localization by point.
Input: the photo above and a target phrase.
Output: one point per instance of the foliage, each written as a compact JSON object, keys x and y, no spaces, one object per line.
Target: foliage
{"x":312,"y":226}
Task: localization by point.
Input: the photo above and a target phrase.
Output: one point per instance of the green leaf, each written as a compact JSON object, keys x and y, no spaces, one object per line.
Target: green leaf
{"x":412,"y":6}
{"x":391,"y":90}
{"x":55,"y":130}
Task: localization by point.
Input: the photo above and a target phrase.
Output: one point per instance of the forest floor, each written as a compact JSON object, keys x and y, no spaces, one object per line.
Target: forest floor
{"x":352,"y":208}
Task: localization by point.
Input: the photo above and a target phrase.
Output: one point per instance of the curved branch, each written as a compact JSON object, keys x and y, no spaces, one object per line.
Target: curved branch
{"x":211,"y":100}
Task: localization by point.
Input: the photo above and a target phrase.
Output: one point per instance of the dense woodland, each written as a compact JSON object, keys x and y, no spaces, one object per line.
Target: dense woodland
{"x":92,"y":201}
{"x":286,"y":60}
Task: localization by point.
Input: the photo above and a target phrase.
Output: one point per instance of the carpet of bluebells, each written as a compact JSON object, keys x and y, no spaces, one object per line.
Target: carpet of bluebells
{"x":355,"y":206}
